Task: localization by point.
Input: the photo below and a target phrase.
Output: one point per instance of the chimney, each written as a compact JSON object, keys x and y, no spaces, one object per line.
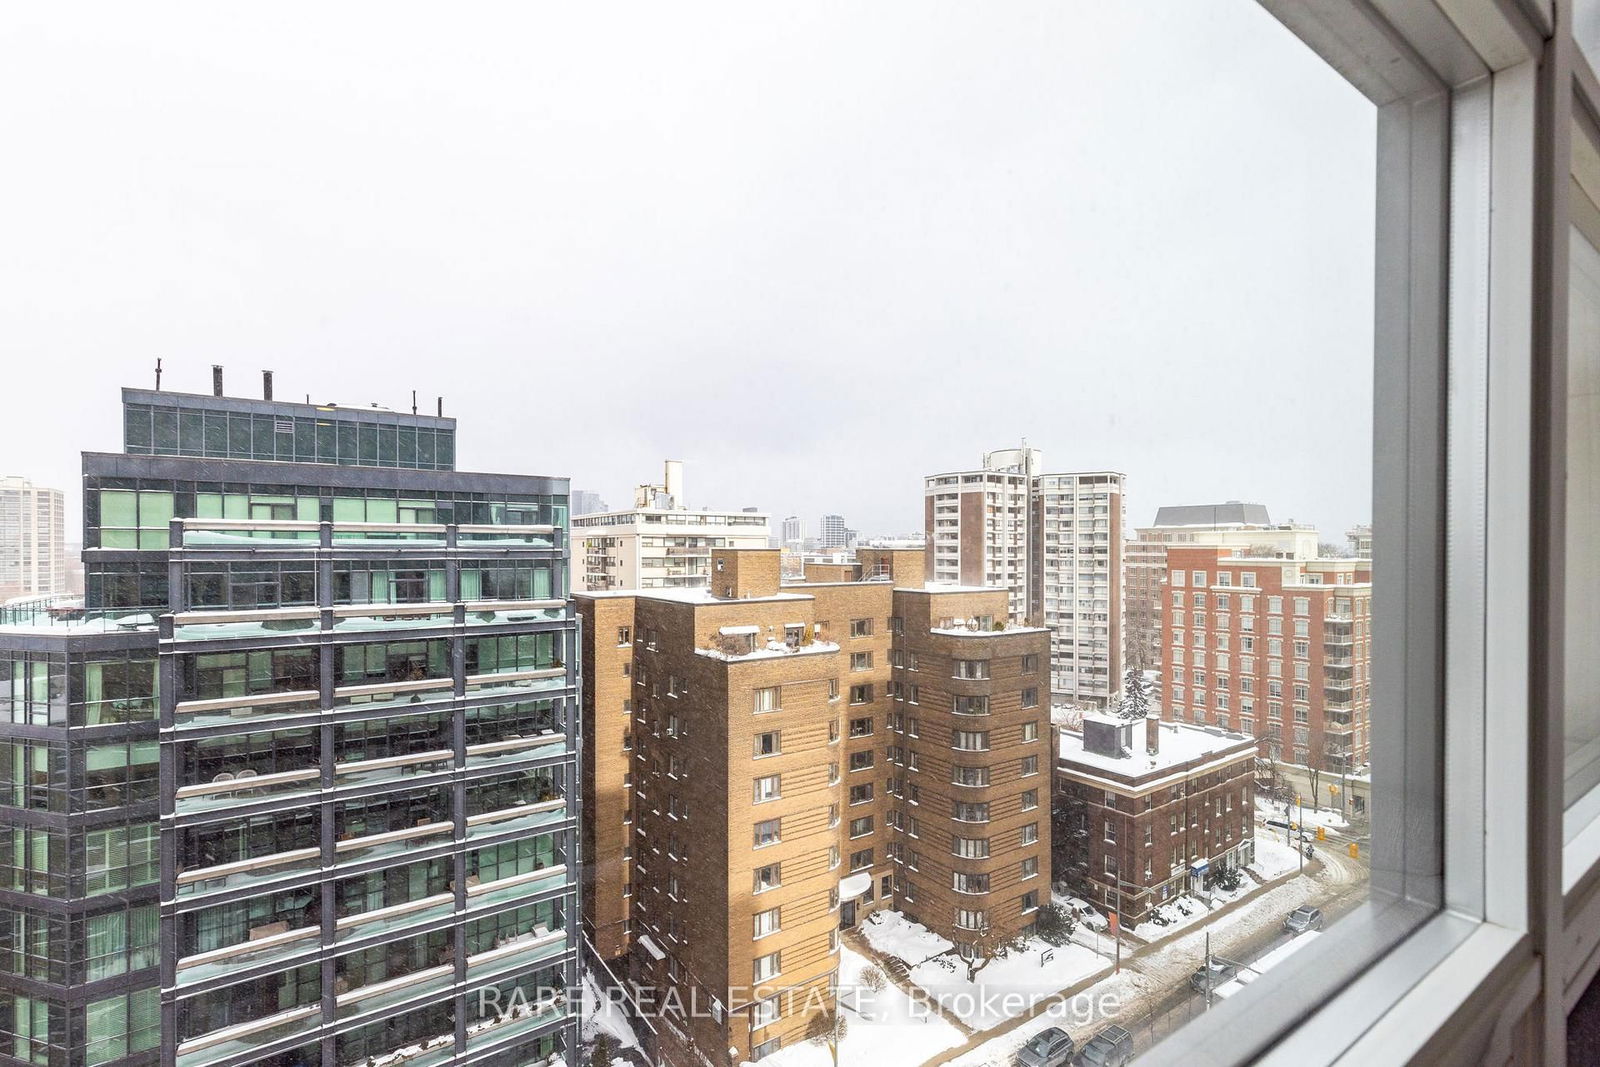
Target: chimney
{"x":216,"y":379}
{"x":673,"y":483}
{"x":441,"y":407}
{"x":1152,"y":734}
{"x":266,"y":385}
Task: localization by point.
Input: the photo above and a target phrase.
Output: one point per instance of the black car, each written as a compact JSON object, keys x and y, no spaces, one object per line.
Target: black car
{"x":1221,"y":971}
{"x":1111,"y":1047}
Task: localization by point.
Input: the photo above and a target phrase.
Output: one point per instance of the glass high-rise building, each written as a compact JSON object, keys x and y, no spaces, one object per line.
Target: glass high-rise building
{"x":292,"y":787}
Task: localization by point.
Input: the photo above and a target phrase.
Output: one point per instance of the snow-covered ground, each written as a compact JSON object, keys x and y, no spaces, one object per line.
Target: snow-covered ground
{"x":893,"y":934}
{"x":881,"y":1028}
{"x":1273,"y":857}
{"x":1186,"y":910}
{"x":1310,"y":817}
{"x":1005,"y":987}
{"x":602,"y":1015}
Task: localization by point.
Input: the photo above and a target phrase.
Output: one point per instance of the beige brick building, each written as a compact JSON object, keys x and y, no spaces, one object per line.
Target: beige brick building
{"x":766,"y":763}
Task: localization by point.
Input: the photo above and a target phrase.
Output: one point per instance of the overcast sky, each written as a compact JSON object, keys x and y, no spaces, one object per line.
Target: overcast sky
{"x":814,"y":250}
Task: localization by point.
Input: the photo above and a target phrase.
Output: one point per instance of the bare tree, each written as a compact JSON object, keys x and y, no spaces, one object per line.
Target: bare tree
{"x":827,"y":1029}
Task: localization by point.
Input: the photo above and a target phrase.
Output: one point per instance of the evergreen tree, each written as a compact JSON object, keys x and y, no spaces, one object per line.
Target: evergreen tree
{"x":1135,"y":702}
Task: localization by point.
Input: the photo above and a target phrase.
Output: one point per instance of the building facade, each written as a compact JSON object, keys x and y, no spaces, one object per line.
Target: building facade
{"x":766,"y":763}
{"x":1279,"y":650}
{"x":1147,"y":811}
{"x":832,"y":533}
{"x":1233,"y":525}
{"x":659,"y":543}
{"x":328,"y":733}
{"x":1055,"y":542}
{"x":33,"y":557}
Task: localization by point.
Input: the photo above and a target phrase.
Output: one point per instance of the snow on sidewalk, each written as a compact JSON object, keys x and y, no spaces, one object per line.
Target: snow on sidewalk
{"x":1007,"y":986}
{"x":880,"y":1029}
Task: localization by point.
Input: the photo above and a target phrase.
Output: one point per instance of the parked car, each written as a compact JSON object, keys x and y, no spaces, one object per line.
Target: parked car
{"x":1111,"y":1047}
{"x":1047,"y":1048}
{"x":1303,"y":918}
{"x":1284,"y":824}
{"x":1084,"y":912}
{"x":1221,"y":971}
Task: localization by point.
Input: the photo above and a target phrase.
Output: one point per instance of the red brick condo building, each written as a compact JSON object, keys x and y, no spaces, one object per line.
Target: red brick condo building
{"x":1276,"y":649}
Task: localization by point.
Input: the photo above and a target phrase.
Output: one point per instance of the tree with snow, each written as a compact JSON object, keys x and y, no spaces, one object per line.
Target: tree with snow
{"x":1135,"y":702}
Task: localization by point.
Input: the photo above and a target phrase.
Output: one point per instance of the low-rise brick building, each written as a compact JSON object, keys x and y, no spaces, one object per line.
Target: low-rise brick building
{"x":1147,"y":810}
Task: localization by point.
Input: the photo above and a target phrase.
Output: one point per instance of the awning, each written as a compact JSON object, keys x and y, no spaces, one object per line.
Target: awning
{"x":854,"y":885}
{"x":730,"y":631}
{"x":650,"y":947}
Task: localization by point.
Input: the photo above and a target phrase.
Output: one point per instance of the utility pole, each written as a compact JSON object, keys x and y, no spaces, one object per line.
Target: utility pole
{"x":1208,"y":970}
{"x":1299,"y":846}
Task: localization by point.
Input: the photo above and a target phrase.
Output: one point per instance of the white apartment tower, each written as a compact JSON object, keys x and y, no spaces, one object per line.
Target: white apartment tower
{"x":831,"y":532}
{"x":659,"y":543}
{"x":1055,"y":542}
{"x":33,"y":556}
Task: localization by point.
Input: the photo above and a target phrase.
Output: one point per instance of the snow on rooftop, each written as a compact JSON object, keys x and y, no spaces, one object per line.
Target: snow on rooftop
{"x":773,"y":650}
{"x":695,"y":595}
{"x":1180,"y":743}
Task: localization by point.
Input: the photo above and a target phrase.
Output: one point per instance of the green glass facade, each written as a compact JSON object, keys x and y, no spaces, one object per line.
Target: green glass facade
{"x":294,"y":787}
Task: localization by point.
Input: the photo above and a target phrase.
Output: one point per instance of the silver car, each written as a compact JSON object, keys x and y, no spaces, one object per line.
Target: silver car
{"x":1303,"y":918}
{"x":1048,"y":1048}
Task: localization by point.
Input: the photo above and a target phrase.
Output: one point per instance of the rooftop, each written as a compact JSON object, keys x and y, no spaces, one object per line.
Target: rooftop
{"x":1181,"y":743}
{"x":1229,"y":513}
{"x":696,"y":595}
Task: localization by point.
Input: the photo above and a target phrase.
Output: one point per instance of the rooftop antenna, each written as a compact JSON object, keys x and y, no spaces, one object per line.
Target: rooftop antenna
{"x":413,"y":401}
{"x":158,"y":374}
{"x":441,"y":407}
{"x":216,"y":379}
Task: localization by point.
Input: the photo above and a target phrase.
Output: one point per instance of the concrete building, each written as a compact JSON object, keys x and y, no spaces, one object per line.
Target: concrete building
{"x":1055,"y":542}
{"x":297,"y":784}
{"x":586,"y":503}
{"x":766,"y":763}
{"x":1276,"y":649}
{"x":1360,"y":536}
{"x":1146,"y":811}
{"x":1232,"y":525}
{"x":832,"y":533}
{"x":793,"y":539}
{"x":659,"y":543}
{"x":33,"y":558}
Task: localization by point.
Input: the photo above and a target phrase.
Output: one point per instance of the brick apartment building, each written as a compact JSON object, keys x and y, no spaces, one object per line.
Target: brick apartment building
{"x":1147,"y":810}
{"x":1055,"y":543}
{"x":767,"y":763}
{"x":1279,"y":650}
{"x":1235,"y":525}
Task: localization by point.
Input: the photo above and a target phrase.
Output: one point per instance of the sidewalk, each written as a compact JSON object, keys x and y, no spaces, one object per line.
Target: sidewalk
{"x":981,"y":1038}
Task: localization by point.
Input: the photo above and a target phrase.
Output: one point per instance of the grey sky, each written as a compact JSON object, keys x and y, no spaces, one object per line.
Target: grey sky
{"x":814,"y":250}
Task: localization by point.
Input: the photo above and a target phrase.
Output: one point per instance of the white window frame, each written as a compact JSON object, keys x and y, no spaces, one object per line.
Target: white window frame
{"x":1468,"y":924}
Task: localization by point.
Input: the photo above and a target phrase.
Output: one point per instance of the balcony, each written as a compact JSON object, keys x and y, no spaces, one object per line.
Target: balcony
{"x":424,"y":985}
{"x":253,"y":709}
{"x":385,"y":922}
{"x":517,"y":954}
{"x":236,"y":1041}
{"x":233,"y":788}
{"x":250,"y":873}
{"x":284,"y":950}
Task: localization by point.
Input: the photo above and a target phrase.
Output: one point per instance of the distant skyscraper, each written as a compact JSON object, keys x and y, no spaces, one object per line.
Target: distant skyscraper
{"x":831,"y":532}
{"x":33,"y":557}
{"x":1244,"y":528}
{"x":794,"y":534}
{"x":1055,"y":542}
{"x":586,"y":503}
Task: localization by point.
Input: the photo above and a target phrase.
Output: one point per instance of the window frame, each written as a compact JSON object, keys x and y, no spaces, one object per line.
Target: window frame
{"x":1441,"y":964}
